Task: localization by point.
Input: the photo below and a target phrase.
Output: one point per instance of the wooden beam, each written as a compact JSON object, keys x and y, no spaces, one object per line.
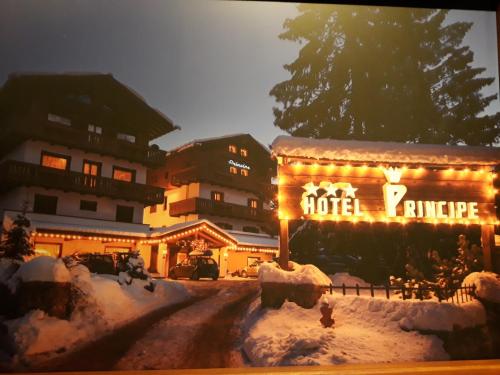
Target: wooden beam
{"x":488,"y":244}
{"x":284,"y":252}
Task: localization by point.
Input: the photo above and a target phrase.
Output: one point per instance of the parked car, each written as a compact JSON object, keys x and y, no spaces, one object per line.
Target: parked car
{"x":194,"y":268}
{"x":249,"y":271}
{"x":110,"y":263}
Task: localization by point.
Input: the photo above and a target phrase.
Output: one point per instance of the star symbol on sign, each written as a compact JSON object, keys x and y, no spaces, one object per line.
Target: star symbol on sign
{"x":311,"y":189}
{"x":331,"y":190}
{"x":350,"y":192}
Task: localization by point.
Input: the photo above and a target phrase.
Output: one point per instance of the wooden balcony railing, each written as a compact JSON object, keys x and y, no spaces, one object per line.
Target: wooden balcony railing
{"x":206,"y":174}
{"x":81,"y":139}
{"x":15,"y":173}
{"x":211,"y":207}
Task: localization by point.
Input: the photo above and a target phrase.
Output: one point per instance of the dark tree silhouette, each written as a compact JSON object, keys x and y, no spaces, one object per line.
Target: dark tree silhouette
{"x":390,"y":74}
{"x":16,"y":243}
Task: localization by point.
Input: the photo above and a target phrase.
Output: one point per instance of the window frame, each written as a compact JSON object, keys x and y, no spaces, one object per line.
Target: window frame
{"x":244,"y":172}
{"x":244,"y":152}
{"x":55,"y":155}
{"x":120,"y":206}
{"x":233,"y":149}
{"x":233,"y":168}
{"x":116,"y":167}
{"x":213,"y":195}
{"x":87,"y":209}
{"x":43,"y":196}
{"x":97,"y":163}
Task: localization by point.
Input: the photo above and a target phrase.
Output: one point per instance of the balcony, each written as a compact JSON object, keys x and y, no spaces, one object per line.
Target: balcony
{"x":211,"y":207}
{"x":207,"y":174}
{"x":15,"y":173}
{"x":73,"y":137}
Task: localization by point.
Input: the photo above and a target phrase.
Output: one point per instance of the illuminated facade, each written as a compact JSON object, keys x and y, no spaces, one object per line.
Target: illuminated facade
{"x":75,"y":153}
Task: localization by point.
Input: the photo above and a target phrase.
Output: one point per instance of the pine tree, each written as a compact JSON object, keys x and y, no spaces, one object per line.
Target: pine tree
{"x":390,"y":74}
{"x":16,"y":244}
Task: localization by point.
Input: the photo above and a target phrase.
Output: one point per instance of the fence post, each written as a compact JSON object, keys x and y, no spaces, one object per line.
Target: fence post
{"x":461,"y":294}
{"x":438,"y":292}
{"x":371,"y":290}
{"x":343,"y":289}
{"x":331,"y":288}
{"x":420,"y":292}
{"x":387,"y":291}
{"x":357,"y":289}
{"x":403,"y":291}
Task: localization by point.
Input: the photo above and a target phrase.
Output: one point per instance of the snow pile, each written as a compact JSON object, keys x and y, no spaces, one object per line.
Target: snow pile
{"x":366,"y":330}
{"x":345,"y":278}
{"x":487,"y":285}
{"x":102,"y":305}
{"x":43,"y":268}
{"x":301,"y":274}
{"x":392,"y":152}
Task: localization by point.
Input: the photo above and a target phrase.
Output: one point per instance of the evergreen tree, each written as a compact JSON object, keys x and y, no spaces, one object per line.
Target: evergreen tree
{"x":390,"y":74}
{"x":16,"y":244}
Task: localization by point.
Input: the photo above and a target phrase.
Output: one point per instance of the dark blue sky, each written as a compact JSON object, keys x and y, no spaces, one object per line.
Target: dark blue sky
{"x":208,"y":65}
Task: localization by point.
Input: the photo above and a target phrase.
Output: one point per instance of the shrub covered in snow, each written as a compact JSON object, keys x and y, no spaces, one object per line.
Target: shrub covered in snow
{"x":43,"y":268}
{"x":100,"y":304}
{"x":300,"y":274}
{"x":487,"y":285}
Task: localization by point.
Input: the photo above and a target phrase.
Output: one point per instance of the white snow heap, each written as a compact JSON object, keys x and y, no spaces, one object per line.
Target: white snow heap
{"x":43,"y":268}
{"x":366,"y":330}
{"x":104,"y":305}
{"x":487,"y":285}
{"x":301,"y":274}
{"x":390,"y":152}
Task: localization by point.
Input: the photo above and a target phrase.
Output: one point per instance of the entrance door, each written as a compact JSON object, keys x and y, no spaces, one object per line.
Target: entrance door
{"x":153,"y":263}
{"x":91,"y":170}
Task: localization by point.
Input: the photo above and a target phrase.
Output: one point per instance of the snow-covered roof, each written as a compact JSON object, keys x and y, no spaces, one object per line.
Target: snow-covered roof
{"x":254,"y":239}
{"x":391,"y":152}
{"x":138,"y":230}
{"x":195,"y":142}
{"x":163,"y":231}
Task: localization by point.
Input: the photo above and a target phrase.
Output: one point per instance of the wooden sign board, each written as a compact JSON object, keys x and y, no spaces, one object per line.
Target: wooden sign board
{"x":384,"y":193}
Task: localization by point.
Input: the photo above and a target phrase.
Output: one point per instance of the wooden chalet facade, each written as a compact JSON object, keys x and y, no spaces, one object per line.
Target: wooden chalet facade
{"x":226,"y":180}
{"x":74,"y":149}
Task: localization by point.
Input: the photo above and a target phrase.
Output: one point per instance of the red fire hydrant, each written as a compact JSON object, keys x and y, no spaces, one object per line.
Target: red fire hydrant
{"x":326,"y":314}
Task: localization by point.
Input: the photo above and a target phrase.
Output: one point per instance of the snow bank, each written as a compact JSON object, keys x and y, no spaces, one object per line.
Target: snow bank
{"x":103,"y":305}
{"x":366,"y":330}
{"x":43,"y":268}
{"x":487,"y":285}
{"x":301,"y":274}
{"x":345,"y":278}
{"x":391,"y":152}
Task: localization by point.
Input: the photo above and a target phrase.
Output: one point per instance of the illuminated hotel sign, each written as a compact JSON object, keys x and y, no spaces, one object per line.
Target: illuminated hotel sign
{"x":385,"y":194}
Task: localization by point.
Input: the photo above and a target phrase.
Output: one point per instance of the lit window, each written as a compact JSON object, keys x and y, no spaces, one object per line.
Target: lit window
{"x":244,"y":172}
{"x":54,"y":161}
{"x":48,"y":249}
{"x":60,"y":120}
{"x":122,"y":174}
{"x":233,"y":149}
{"x":217,"y":196}
{"x":253,"y":203}
{"x":95,"y":129}
{"x":233,"y":170}
{"x":244,"y":152}
{"x":126,"y":137}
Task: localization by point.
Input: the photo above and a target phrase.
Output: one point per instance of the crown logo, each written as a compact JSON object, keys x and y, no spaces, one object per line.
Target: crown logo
{"x":393,"y":175}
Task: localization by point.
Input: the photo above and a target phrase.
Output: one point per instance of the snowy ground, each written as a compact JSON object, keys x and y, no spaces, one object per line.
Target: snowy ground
{"x":105,"y":306}
{"x":202,"y":335}
{"x":366,"y":330}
